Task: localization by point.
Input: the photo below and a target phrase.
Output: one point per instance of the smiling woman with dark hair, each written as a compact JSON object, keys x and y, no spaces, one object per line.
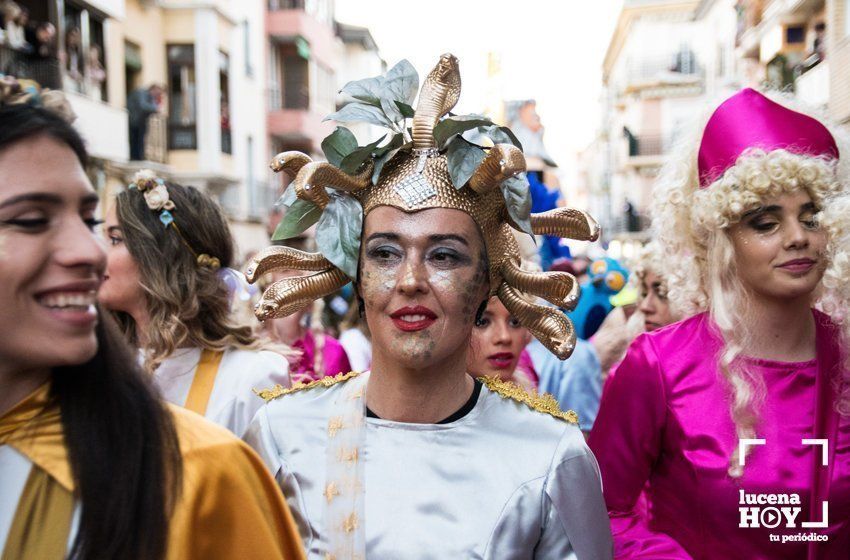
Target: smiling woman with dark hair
{"x":93,"y":464}
{"x":415,"y":458}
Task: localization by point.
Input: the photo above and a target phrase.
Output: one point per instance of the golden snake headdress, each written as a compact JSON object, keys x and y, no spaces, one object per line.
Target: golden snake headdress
{"x":430,"y":165}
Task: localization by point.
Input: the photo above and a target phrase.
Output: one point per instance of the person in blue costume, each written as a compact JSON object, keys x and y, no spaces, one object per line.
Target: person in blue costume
{"x":607,"y":278}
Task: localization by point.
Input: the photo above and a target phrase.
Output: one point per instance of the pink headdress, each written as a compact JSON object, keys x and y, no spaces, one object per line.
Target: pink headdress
{"x":748,"y":119}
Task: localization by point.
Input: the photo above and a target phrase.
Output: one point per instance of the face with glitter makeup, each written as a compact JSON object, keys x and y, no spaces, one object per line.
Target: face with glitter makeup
{"x":422,"y":277}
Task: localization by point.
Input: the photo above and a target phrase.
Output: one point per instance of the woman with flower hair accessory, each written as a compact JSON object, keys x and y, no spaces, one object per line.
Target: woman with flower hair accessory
{"x":746,"y":402}
{"x":93,"y":463}
{"x":415,"y":458}
{"x":166,"y":281}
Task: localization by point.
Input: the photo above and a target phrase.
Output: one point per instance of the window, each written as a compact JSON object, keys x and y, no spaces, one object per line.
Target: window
{"x":250,"y":178}
{"x":325,"y":89}
{"x":795,"y":35}
{"x":85,"y":65}
{"x":246,"y":37}
{"x":286,"y":5}
{"x":224,"y":102}
{"x":182,"y":130}
{"x":296,"y":79}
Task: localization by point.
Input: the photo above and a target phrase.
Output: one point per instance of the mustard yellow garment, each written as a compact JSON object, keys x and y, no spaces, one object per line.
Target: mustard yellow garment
{"x":43,"y":515}
{"x":229,"y":508}
{"x":204,"y":381}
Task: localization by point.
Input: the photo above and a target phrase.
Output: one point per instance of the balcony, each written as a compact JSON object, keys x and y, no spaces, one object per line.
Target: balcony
{"x":296,"y":126}
{"x":674,"y":74}
{"x":287,"y":22}
{"x":104,"y":127}
{"x":45,"y":71}
{"x":156,"y":142}
{"x":643,"y":150}
{"x":812,"y":87}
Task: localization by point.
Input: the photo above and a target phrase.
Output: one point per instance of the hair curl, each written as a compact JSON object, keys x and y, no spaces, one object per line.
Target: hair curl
{"x":692,"y":227}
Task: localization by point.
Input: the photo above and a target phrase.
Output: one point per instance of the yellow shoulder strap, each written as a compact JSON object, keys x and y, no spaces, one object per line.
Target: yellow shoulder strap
{"x":202,"y":384}
{"x":42,"y":519}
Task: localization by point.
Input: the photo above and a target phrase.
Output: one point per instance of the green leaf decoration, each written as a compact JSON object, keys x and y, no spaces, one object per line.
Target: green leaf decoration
{"x":500,"y":135}
{"x":406,"y":110}
{"x":352,"y":162}
{"x":299,"y":216}
{"x":511,"y":136}
{"x":391,"y":110}
{"x":401,"y":82}
{"x":518,"y":201}
{"x":287,"y":198}
{"x":385,"y":153}
{"x":339,"y":144}
{"x":451,"y":126}
{"x":463,"y":159}
{"x":338,"y":233}
{"x":360,"y":112}
{"x":367,"y":90}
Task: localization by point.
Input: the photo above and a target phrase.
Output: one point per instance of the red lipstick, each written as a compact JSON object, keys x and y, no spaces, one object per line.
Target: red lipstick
{"x":413,"y":318}
{"x":501,"y":360}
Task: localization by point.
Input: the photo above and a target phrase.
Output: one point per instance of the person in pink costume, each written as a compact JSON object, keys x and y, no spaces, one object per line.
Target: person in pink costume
{"x":756,"y":361}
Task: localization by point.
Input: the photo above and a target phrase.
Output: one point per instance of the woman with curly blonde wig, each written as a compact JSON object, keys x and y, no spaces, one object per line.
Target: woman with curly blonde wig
{"x":744,"y":404}
{"x":166,"y":282}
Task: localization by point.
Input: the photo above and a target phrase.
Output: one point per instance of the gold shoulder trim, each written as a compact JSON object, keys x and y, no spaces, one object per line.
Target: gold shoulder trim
{"x":269,"y":395}
{"x":541,"y":403}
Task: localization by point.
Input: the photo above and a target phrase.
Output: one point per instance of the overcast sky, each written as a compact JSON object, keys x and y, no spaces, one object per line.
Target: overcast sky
{"x":550,"y":50}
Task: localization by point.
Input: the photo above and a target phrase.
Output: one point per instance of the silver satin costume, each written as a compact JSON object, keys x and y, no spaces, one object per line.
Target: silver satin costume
{"x":503,"y":482}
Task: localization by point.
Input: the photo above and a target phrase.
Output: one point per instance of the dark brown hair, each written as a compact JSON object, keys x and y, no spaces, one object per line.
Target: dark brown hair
{"x":121,"y":440}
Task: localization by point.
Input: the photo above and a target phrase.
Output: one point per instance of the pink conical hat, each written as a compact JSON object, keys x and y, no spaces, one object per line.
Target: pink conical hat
{"x":748,"y":119}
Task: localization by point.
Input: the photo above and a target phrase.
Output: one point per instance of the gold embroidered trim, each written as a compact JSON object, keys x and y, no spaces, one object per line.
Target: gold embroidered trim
{"x":541,"y":403}
{"x":269,"y":395}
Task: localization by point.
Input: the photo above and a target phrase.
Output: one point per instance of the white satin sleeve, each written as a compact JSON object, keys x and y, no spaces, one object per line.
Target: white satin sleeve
{"x":576,"y":522}
{"x":233,"y":402}
{"x":261,"y":438}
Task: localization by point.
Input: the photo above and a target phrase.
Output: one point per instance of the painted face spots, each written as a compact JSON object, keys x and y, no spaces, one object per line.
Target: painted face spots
{"x":422,"y":278}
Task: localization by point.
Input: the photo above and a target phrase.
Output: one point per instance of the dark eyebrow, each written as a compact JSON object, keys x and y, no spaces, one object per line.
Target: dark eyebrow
{"x":46,"y":198}
{"x":437,"y":237}
{"x":808,"y":206}
{"x":761,"y":210}
{"x":447,"y":237}
{"x":383,"y":235}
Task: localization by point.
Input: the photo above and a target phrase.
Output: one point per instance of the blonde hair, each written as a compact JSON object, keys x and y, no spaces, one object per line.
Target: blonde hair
{"x":187,"y":304}
{"x":692,"y":227}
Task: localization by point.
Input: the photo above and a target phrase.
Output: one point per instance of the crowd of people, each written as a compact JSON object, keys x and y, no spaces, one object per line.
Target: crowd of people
{"x":462,"y":402}
{"x":29,"y":49}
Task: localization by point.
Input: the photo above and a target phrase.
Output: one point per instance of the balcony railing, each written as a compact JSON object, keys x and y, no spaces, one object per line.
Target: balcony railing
{"x":44,"y":70}
{"x":182,"y":136}
{"x":645,"y":145}
{"x":681,"y":66}
{"x":156,"y":142}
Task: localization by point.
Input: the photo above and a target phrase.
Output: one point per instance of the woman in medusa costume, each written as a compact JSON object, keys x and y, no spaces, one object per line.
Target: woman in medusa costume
{"x":415,"y":458}
{"x":745,"y":404}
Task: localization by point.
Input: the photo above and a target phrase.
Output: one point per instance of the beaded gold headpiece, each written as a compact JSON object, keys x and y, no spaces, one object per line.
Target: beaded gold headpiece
{"x":434,"y":166}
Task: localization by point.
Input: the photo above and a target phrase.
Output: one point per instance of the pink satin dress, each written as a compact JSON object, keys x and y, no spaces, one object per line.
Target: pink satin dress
{"x":664,"y":436}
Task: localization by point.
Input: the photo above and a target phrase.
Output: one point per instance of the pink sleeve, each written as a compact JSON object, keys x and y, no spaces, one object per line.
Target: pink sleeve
{"x":336,"y":360}
{"x":627,"y":440}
